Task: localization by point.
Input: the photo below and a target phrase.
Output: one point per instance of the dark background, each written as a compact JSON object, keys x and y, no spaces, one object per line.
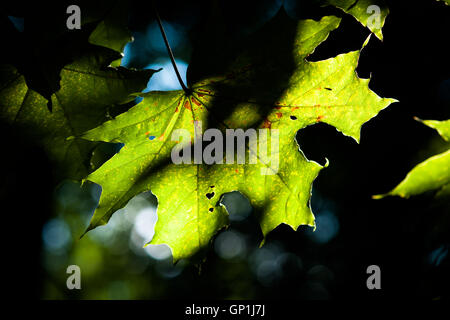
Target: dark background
{"x":407,"y":238}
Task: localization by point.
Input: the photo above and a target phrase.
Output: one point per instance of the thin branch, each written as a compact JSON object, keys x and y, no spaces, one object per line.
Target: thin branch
{"x":169,"y":51}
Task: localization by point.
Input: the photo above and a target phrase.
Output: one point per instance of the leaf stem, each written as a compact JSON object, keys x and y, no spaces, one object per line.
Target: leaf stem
{"x":169,"y":51}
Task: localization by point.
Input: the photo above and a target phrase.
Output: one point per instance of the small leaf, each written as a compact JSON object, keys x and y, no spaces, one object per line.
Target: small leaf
{"x":363,"y":11}
{"x":442,"y":127}
{"x":112,"y":32}
{"x":432,"y":174}
{"x":446,"y":2}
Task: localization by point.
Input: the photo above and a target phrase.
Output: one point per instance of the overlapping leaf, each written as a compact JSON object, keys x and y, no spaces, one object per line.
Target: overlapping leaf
{"x":46,"y":45}
{"x":431,"y":174}
{"x":89,"y":90}
{"x":269,"y":85}
{"x":371,"y":14}
{"x":112,"y":32}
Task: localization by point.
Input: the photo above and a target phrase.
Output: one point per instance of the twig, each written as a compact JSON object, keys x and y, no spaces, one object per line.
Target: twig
{"x":169,"y":51}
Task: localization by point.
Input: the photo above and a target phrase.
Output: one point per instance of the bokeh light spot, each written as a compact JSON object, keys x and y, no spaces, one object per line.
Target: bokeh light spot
{"x":327,"y":227}
{"x":230,"y":245}
{"x":56,"y":235}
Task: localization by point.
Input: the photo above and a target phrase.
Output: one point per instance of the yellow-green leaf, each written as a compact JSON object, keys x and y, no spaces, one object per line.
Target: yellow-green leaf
{"x":371,"y":14}
{"x":432,"y":174}
{"x":267,"y":85}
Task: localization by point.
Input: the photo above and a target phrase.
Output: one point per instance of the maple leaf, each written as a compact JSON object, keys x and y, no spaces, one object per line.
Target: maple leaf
{"x":89,"y":91}
{"x":363,"y":11}
{"x":268,"y":85}
{"x":431,"y":174}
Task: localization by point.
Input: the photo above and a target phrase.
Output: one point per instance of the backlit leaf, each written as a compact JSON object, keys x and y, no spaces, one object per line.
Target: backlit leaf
{"x":431,"y":174}
{"x":365,"y":11}
{"x":270,"y":85}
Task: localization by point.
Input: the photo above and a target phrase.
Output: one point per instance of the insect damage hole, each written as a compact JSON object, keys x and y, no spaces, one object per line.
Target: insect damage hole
{"x":210,"y":195}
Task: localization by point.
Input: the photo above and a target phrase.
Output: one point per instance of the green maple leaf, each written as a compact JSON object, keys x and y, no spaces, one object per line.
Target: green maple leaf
{"x":431,"y":174}
{"x":363,"y":11}
{"x":89,"y":91}
{"x":268,"y":85}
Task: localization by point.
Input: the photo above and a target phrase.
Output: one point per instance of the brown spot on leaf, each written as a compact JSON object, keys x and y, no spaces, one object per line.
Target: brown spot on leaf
{"x":266,"y":124}
{"x":279,"y":115}
{"x":319,"y":118}
{"x":187,"y":105}
{"x":196,"y":101}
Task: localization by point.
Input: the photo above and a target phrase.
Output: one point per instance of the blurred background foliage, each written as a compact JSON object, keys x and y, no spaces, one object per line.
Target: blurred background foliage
{"x":408,"y":239}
